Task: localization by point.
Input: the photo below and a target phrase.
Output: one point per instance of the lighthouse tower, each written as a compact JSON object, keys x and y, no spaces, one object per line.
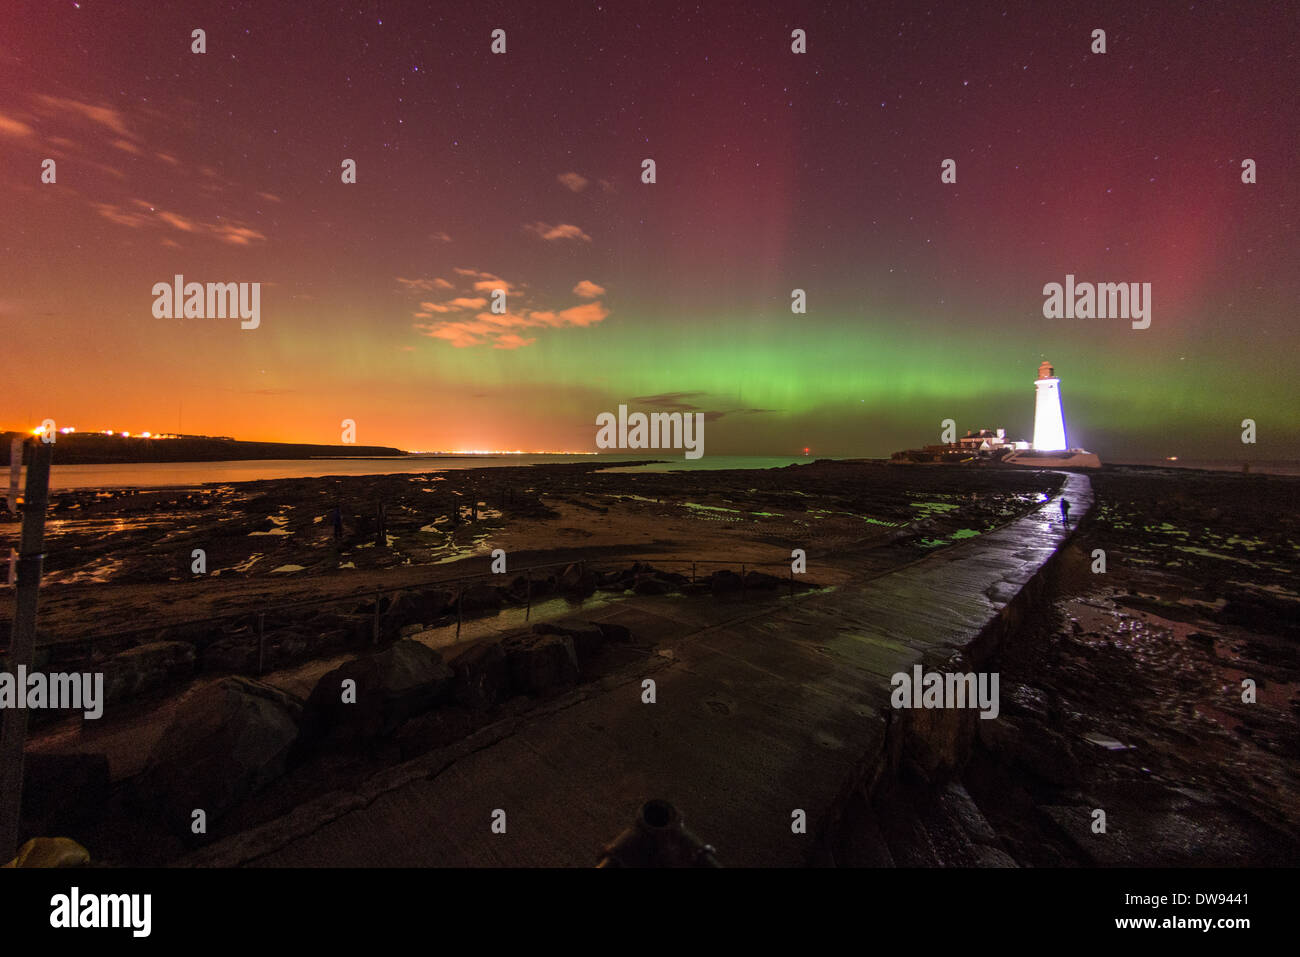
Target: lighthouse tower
{"x":1049,"y":424}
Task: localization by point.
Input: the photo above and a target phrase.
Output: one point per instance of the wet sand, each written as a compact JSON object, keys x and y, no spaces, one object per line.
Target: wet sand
{"x":1124,"y":694}
{"x":123,"y":559}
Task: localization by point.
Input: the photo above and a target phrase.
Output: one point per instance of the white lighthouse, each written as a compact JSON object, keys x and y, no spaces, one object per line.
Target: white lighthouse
{"x":1049,"y":423}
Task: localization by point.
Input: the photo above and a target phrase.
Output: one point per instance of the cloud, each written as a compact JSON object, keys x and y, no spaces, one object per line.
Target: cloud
{"x":677,"y":402}
{"x":126,"y":146}
{"x":122,"y":217}
{"x":588,"y":290}
{"x":271,"y":197}
{"x":238,"y":235}
{"x":487,"y":282}
{"x":573,"y":181}
{"x":558,"y":231}
{"x":455,"y":305}
{"x":425,"y":285}
{"x":102,"y":115}
{"x":150,"y":216}
{"x":512,"y":341}
{"x":440,"y":237}
{"x":446,"y":320}
{"x":670,"y":400}
{"x":12,"y":127}
{"x":179,"y":222}
{"x":460,"y":334}
{"x":585,"y":315}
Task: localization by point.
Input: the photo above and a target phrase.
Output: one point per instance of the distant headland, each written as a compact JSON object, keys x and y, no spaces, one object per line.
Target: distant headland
{"x":97,"y":448}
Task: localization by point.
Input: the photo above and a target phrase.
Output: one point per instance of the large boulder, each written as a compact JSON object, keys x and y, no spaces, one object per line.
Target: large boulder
{"x":227,"y":741}
{"x":403,"y":680}
{"x":541,"y":663}
{"x":761,"y":581}
{"x":430,"y":604}
{"x":576,"y":581}
{"x":239,"y":655}
{"x":481,"y":597}
{"x":587,"y":637}
{"x":652,"y":585}
{"x":481,"y":676}
{"x":146,"y":667}
{"x":236,"y":655}
{"x":724,"y":580}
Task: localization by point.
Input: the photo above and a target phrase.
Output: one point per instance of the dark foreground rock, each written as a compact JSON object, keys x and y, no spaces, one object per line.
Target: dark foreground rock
{"x":587,"y":637}
{"x":406,"y":679}
{"x":146,"y":667}
{"x":481,"y":676}
{"x":541,"y":663}
{"x":228,"y":740}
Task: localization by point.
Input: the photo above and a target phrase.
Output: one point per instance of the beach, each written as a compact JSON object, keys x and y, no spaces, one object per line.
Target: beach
{"x":1198,"y":580}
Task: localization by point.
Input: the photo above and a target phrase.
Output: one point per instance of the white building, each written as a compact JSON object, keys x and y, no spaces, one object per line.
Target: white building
{"x":1050,"y":448}
{"x":1049,"y":423}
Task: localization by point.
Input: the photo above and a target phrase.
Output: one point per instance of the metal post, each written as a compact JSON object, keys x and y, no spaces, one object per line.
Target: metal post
{"x":460,"y":608}
{"x":13,"y":721}
{"x":529,"y":609}
{"x":374,"y":637}
{"x":742,"y":579}
{"x":692,"y":573}
{"x":261,"y":642}
{"x":15,"y":472}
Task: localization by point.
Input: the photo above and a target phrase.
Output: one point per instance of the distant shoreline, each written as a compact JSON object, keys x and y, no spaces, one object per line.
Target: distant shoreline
{"x":96,"y":449}
{"x":109,"y":452}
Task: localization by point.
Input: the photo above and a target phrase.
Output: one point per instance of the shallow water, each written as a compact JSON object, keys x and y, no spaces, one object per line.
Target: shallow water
{"x":188,"y":474}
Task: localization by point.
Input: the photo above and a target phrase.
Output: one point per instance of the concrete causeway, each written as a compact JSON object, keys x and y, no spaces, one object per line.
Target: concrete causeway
{"x":785,"y":708}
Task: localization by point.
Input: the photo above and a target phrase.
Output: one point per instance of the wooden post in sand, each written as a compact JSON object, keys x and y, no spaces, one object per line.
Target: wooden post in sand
{"x":261,"y":642}
{"x":528,"y":610}
{"x":13,"y":721}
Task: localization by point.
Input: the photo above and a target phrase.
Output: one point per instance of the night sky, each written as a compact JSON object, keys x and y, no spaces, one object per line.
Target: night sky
{"x":775,"y":171}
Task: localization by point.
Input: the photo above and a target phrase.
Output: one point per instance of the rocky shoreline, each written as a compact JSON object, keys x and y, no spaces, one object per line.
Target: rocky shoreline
{"x":1124,"y":694}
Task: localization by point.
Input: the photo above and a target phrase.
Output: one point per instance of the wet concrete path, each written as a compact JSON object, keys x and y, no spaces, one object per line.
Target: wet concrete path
{"x":781,"y":710}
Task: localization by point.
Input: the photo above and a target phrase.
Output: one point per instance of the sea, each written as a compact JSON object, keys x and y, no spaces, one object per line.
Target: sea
{"x":191,"y":474}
